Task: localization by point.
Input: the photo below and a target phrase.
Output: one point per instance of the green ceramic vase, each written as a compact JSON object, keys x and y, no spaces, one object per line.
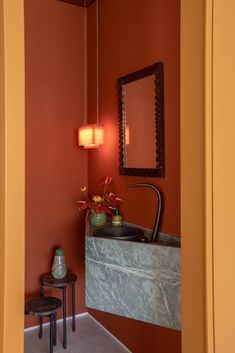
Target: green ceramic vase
{"x":59,"y":269}
{"x":97,"y":219}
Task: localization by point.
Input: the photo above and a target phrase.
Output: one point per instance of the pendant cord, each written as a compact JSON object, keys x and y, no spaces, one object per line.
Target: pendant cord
{"x":97,"y":61}
{"x":85,"y":63}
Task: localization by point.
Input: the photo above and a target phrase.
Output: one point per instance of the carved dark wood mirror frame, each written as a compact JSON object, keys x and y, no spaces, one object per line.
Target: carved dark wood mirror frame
{"x":156,"y":70}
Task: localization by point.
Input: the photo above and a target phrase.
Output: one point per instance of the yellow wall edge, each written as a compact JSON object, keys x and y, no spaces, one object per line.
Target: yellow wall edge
{"x":224,"y":173}
{"x":2,"y":177}
{"x":14,"y":168}
{"x":193,"y":176}
{"x":209,"y":176}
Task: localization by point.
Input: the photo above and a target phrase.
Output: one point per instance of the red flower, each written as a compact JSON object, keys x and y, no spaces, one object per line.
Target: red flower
{"x":113,"y":200}
{"x":104,"y":202}
{"x":106,"y":181}
{"x":84,"y":204}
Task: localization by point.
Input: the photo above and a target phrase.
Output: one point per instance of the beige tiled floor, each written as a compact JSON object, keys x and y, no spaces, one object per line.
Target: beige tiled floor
{"x":90,"y":337}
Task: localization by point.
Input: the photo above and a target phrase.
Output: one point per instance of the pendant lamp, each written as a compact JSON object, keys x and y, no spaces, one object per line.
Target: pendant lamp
{"x":91,"y":135}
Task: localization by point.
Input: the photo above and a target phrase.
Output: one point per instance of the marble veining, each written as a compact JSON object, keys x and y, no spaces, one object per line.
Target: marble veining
{"x":135,"y":280}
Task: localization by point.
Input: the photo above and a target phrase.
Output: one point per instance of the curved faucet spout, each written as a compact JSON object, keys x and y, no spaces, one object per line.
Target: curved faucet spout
{"x":156,"y":224}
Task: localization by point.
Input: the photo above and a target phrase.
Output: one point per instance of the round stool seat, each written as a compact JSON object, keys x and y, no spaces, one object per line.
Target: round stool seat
{"x":43,"y":306}
{"x":50,"y":281}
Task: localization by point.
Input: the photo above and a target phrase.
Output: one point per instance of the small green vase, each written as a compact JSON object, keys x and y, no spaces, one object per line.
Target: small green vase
{"x":97,"y":219}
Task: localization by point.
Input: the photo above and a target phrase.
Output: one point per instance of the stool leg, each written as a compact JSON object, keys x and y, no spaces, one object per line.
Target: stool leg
{"x":64,"y":319}
{"x":40,"y":328}
{"x":41,"y":318}
{"x":73,"y":307}
{"x":51,"y":333}
{"x":55,"y":329}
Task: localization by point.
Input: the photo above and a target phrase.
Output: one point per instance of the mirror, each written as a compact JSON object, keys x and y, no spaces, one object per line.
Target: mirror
{"x":141,"y":122}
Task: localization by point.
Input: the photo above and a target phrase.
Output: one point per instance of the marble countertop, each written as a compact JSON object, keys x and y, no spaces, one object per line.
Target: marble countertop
{"x":164,"y":239}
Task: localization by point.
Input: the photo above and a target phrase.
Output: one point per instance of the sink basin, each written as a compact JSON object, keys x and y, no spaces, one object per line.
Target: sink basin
{"x":120,"y":233}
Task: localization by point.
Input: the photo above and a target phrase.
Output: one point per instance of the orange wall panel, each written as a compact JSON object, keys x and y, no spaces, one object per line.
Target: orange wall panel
{"x":194,"y":179}
{"x":12,"y":175}
{"x":2,"y":174}
{"x":134,"y":34}
{"x":55,"y":166}
{"x":224,"y":174}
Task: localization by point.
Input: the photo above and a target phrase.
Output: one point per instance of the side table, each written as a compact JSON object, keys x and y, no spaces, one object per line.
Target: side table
{"x":46,"y":306}
{"x":47,"y":280}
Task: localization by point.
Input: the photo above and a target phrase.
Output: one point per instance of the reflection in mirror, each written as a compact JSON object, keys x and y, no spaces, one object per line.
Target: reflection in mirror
{"x":141,"y":122}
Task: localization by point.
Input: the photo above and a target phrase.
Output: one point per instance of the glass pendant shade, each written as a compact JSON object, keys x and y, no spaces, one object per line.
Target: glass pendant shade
{"x":91,"y":135}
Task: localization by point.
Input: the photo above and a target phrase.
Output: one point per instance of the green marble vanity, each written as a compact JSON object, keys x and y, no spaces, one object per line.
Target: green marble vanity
{"x":133,"y":279}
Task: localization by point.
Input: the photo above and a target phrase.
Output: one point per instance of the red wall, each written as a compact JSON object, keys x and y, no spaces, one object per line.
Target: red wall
{"x":55,"y":166}
{"x":134,"y":34}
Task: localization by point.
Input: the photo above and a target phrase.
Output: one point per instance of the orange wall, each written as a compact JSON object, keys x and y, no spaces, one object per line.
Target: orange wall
{"x":194,"y":191}
{"x":55,"y":166}
{"x":224,"y":174}
{"x":12,"y":175}
{"x":134,"y":34}
{"x":2,"y":172}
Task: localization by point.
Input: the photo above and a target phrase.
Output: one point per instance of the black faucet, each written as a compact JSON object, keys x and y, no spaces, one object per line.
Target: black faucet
{"x":154,"y":235}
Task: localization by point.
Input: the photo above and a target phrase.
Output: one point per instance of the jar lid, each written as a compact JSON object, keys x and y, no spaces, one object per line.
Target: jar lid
{"x":59,"y":252}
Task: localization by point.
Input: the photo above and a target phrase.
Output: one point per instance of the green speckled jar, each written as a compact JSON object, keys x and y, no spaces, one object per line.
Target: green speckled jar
{"x":59,"y":268}
{"x":97,"y":219}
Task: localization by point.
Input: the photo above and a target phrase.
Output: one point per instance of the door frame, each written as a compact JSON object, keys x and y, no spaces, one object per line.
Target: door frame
{"x":12,"y":175}
{"x":196,"y":176}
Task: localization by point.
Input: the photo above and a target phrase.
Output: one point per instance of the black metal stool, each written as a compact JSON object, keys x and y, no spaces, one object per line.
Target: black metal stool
{"x":46,"y":306}
{"x":48,"y":280}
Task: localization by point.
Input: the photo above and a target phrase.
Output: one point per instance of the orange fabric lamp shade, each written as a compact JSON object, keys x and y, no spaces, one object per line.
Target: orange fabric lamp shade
{"x":91,"y":135}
